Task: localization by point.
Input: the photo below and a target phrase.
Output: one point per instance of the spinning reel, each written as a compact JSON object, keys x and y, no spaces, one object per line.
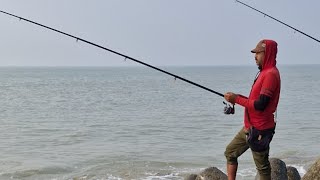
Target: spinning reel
{"x":228,"y":109}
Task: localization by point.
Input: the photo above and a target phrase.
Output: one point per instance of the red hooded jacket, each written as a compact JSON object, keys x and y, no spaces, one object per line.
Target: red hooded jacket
{"x":267,"y":83}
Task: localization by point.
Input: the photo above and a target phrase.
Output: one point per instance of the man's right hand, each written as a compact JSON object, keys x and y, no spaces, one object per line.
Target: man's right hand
{"x":230,"y":97}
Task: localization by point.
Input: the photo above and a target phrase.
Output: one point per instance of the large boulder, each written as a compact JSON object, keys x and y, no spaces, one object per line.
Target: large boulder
{"x":313,"y":172}
{"x":212,"y":173}
{"x":278,"y":170}
{"x":293,"y":173}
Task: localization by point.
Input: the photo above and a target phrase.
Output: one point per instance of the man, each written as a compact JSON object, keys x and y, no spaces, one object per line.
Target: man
{"x":260,"y":107}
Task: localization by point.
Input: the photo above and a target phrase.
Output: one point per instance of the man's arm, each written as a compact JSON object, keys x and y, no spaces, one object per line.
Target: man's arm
{"x":262,"y":102}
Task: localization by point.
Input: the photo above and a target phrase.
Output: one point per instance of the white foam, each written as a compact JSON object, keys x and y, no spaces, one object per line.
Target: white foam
{"x":164,"y":177}
{"x":111,"y":177}
{"x":247,"y":172}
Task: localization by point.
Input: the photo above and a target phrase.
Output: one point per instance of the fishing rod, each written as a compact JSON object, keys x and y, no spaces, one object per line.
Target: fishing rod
{"x":277,"y":20}
{"x":228,"y":109}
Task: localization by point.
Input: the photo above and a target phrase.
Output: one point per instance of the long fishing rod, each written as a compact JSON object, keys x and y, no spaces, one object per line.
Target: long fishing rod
{"x":277,"y":20}
{"x":227,"y":109}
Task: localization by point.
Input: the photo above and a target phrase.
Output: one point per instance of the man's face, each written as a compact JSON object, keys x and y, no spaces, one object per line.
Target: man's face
{"x":259,"y":57}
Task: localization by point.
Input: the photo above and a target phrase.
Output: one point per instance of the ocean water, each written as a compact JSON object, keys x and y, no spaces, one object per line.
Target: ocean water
{"x":89,"y":123}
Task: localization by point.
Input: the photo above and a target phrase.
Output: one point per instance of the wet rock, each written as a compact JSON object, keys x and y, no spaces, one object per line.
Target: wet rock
{"x":212,"y":173}
{"x":313,"y":172}
{"x":293,"y":173}
{"x":278,"y":170}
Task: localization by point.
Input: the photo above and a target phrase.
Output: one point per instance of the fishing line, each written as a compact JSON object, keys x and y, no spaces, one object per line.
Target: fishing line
{"x":227,"y":109}
{"x":277,"y":20}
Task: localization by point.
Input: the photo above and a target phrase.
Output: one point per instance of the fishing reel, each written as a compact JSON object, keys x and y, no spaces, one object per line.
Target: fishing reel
{"x":228,"y":109}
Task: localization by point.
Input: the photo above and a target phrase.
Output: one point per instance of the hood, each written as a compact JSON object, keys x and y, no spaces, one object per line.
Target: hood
{"x":270,"y":54}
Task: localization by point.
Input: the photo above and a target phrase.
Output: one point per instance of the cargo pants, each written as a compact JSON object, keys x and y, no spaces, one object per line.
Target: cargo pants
{"x":239,"y":145}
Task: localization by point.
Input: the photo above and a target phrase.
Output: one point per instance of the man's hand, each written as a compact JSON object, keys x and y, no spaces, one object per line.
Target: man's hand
{"x":230,"y":97}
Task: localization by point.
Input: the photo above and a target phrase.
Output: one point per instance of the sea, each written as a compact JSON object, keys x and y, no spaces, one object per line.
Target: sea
{"x":119,"y":123}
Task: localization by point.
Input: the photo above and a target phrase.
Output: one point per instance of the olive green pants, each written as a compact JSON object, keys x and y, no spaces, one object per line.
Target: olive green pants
{"x":239,"y":145}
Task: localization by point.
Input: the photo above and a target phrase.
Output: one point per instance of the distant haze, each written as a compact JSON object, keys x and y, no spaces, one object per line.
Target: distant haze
{"x":158,"y":32}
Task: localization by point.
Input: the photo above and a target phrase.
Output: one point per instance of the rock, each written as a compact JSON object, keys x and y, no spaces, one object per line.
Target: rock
{"x":293,"y":173}
{"x":313,"y":172}
{"x":212,"y":173}
{"x":278,"y":170}
{"x":191,"y":177}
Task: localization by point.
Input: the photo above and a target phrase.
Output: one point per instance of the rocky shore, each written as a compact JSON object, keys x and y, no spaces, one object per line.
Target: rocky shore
{"x":279,"y":171}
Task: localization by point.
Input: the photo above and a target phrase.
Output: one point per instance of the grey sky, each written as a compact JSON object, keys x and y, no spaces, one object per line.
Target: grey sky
{"x":159,"y":32}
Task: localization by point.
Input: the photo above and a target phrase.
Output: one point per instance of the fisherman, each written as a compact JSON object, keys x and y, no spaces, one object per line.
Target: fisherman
{"x":259,"y":119}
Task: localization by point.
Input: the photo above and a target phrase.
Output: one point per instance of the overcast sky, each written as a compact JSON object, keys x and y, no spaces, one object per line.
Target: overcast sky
{"x":158,"y":32}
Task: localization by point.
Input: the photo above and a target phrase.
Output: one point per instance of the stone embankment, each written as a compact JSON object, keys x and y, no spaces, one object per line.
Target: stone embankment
{"x":279,"y":171}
